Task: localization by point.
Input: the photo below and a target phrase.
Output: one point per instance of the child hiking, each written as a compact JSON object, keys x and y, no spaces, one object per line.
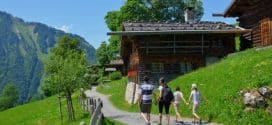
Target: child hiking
{"x":178,"y":97}
{"x":195,"y":96}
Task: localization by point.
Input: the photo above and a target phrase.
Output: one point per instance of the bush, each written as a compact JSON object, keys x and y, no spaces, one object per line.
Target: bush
{"x":115,"y":75}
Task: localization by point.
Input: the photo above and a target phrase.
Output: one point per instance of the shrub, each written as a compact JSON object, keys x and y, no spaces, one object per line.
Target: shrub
{"x":115,"y":75}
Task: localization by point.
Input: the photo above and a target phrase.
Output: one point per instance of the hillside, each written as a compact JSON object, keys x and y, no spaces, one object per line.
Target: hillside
{"x":23,"y":48}
{"x":44,"y":112}
{"x":219,"y":85}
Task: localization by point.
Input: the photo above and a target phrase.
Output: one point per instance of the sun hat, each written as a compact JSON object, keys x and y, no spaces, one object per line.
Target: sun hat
{"x":194,"y":85}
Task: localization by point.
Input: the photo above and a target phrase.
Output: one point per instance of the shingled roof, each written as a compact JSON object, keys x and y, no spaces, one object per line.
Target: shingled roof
{"x":147,"y":28}
{"x":178,"y":26}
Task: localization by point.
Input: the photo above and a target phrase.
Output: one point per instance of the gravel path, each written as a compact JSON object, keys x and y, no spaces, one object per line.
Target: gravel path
{"x":127,"y":117}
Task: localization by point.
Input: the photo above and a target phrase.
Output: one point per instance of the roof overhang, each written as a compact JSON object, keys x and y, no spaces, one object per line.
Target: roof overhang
{"x":238,"y":7}
{"x":229,"y":9}
{"x":138,"y":33}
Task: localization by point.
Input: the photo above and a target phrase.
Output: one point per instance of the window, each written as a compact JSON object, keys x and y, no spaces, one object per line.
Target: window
{"x":185,"y":67}
{"x":211,"y":60}
{"x":157,"y":67}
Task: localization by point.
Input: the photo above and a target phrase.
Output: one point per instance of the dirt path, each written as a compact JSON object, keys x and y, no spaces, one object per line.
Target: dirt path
{"x":127,"y":117}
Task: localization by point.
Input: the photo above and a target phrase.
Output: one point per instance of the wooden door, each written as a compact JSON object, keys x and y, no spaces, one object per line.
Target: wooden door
{"x":266,"y":32}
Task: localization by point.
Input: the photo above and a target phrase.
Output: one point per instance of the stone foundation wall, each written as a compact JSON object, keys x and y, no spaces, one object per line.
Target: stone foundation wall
{"x":132,"y":91}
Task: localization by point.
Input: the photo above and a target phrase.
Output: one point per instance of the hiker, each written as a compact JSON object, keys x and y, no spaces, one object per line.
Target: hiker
{"x":165,"y":99}
{"x":195,"y":96}
{"x":178,"y":96}
{"x":145,"y":99}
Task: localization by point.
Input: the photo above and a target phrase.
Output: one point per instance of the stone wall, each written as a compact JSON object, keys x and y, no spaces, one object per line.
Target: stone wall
{"x":132,"y":91}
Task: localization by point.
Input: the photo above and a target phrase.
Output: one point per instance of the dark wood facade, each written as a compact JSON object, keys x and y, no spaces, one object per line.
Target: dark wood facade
{"x":173,"y":55}
{"x":172,"y":49}
{"x":255,"y":15}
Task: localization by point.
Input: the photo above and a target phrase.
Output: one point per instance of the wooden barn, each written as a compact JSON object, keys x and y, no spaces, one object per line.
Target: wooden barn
{"x":255,"y":15}
{"x":172,"y":49}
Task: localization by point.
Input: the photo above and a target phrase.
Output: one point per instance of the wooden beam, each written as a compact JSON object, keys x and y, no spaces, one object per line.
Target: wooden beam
{"x":202,"y":39}
{"x":177,"y":41}
{"x":171,"y":47}
{"x":174,"y":44}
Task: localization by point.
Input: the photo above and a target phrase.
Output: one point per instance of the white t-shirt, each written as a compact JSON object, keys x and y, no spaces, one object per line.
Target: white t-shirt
{"x":160,"y":87}
{"x":178,"y":97}
{"x":195,"y":95}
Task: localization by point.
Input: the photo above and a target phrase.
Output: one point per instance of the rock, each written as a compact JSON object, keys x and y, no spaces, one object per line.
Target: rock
{"x":242,"y":92}
{"x":82,"y":123}
{"x":269,"y":110}
{"x":266,"y":92}
{"x":254,"y":99}
{"x":249,"y":109}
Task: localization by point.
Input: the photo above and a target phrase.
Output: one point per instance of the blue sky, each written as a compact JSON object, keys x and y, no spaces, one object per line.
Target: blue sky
{"x":85,"y":17}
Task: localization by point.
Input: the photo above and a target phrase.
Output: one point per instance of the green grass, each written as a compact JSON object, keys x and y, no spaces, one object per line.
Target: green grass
{"x":219,"y":84}
{"x":237,"y":43}
{"x":108,"y":121}
{"x":116,"y":90}
{"x":44,"y":112}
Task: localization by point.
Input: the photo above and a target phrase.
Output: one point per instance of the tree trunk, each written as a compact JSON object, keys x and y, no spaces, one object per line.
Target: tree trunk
{"x":70,"y":108}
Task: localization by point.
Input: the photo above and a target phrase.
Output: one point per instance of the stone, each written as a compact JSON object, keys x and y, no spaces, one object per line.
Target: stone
{"x":254,"y":99}
{"x":269,"y":110}
{"x":82,"y":123}
{"x":243,"y":92}
{"x":249,"y":109}
{"x":132,"y":91}
{"x":266,"y":92}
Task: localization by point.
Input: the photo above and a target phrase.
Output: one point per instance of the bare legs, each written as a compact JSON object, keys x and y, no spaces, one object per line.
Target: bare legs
{"x":167,"y":118}
{"x":160,"y":118}
{"x":146,"y":117}
{"x":195,"y":116}
{"x":178,"y":116}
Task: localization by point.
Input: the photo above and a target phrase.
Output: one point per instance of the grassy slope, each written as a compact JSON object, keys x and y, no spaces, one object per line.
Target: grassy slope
{"x":108,"y":121}
{"x":220,"y":85}
{"x":44,"y":112}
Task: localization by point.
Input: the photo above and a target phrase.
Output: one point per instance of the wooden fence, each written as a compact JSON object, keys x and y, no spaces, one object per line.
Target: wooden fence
{"x":94,"y":106}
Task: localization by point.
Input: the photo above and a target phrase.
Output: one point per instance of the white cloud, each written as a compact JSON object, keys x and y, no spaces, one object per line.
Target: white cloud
{"x":65,"y":28}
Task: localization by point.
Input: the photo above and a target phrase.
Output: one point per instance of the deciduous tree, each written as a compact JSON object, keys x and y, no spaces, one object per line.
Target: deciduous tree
{"x":65,"y":68}
{"x":8,"y":97}
{"x":149,"y":11}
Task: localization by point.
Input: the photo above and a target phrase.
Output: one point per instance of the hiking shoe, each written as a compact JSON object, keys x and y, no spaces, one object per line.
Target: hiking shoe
{"x":193,"y":122}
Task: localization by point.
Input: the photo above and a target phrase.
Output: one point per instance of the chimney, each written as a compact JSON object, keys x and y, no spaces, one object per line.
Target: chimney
{"x":189,"y":14}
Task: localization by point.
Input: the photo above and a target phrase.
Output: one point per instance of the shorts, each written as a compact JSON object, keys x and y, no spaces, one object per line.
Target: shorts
{"x":165,"y":105}
{"x":195,"y":107}
{"x":145,"y":108}
{"x":176,"y":107}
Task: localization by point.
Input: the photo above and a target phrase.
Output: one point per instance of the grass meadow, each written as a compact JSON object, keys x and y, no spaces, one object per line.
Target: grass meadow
{"x":219,"y":85}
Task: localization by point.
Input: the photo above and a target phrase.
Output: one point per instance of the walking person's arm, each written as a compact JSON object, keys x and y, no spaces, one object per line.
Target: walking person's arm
{"x":189,"y":100}
{"x":184,"y":100}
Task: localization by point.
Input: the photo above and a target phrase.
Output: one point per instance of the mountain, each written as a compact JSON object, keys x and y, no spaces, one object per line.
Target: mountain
{"x":23,"y":48}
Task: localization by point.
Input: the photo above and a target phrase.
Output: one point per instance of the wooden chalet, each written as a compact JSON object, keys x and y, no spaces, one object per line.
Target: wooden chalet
{"x":173,"y":49}
{"x":255,"y":15}
{"x":163,"y":49}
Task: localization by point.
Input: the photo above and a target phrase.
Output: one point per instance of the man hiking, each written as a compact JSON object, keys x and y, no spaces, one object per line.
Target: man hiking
{"x":145,"y":99}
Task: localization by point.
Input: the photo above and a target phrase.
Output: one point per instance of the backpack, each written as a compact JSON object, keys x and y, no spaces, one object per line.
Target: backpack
{"x":167,"y":95}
